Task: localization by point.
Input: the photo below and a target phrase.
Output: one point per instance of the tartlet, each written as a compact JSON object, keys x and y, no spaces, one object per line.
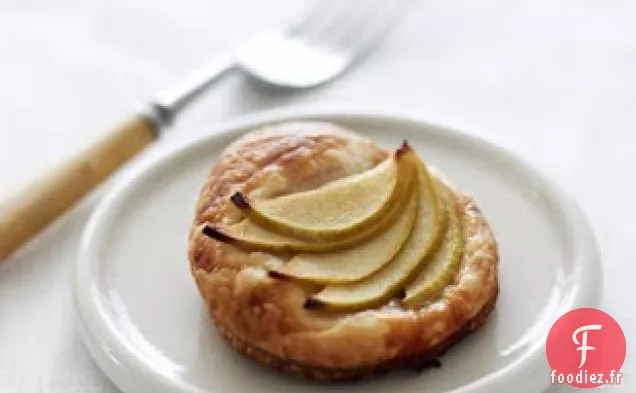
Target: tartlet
{"x":266,"y":317}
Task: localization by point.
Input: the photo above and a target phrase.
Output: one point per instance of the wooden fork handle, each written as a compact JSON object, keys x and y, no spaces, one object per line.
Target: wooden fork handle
{"x":28,"y":212}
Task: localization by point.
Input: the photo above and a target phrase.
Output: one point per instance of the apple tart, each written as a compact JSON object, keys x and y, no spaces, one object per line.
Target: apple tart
{"x":325,"y":256}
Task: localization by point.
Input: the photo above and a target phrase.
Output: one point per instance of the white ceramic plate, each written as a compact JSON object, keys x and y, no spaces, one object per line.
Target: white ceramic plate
{"x":144,"y":323}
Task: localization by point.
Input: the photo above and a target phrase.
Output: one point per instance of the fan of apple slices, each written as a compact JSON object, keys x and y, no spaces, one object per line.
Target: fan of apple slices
{"x":390,"y":232}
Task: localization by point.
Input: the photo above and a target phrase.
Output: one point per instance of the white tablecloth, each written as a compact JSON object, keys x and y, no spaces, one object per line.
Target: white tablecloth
{"x":553,"y":81}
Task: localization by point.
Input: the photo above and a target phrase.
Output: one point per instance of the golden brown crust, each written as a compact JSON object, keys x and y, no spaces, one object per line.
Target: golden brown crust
{"x":264,"y":317}
{"x":416,"y":362}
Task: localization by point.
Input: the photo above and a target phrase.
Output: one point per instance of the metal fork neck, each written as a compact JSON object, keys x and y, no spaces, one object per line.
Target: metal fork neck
{"x":165,"y":107}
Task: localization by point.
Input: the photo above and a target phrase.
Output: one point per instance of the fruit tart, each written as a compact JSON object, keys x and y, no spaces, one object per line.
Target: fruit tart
{"x":320,"y":254}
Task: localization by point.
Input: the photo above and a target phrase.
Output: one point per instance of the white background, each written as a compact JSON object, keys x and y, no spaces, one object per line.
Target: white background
{"x":553,"y":81}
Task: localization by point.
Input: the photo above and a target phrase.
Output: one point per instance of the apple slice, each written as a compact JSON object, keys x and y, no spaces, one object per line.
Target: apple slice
{"x":337,"y":209}
{"x":444,"y":264}
{"x":357,"y":263}
{"x":386,"y":283}
{"x":249,"y":236}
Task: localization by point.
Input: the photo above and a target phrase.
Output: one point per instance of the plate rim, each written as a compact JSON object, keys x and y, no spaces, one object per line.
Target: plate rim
{"x":109,"y":353}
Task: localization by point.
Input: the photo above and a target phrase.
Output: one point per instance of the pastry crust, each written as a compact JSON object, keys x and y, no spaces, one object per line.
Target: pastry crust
{"x":264,"y":317}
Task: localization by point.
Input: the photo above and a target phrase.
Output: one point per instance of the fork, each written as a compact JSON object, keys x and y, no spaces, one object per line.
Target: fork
{"x":322,"y":44}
